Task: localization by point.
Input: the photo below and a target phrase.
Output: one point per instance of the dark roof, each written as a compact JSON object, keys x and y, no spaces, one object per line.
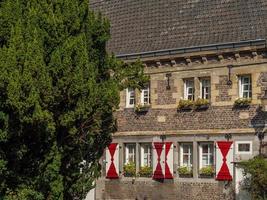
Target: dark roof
{"x":151,"y":25}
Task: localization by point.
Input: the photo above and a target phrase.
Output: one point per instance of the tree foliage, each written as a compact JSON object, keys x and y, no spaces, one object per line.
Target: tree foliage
{"x":255,"y":182}
{"x":58,"y":91}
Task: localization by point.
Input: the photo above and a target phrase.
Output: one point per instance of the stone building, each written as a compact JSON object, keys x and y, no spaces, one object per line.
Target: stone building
{"x":204,"y":109}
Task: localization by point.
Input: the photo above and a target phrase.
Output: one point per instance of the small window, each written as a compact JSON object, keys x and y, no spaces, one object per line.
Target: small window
{"x":189,"y":89}
{"x":205,"y":88}
{"x":245,"y":88}
{"x":130,"y":153}
{"x":186,"y":155}
{"x":130,"y":97}
{"x":206,"y":154}
{"x":146,"y":155}
{"x":244,"y":147}
{"x":145,"y":96}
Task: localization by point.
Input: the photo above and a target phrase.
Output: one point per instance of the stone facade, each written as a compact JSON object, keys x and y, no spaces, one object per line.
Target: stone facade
{"x":215,"y":117}
{"x":143,"y":189}
{"x":170,"y":56}
{"x":194,"y":126}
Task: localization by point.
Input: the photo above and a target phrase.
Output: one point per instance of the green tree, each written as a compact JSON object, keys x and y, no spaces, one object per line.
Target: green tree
{"x":255,"y":182}
{"x":58,"y":92}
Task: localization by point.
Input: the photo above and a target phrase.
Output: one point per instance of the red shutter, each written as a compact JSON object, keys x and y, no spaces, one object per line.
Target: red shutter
{"x":112,"y":161}
{"x":168,"y":160}
{"x":158,"y":160}
{"x":224,"y":159}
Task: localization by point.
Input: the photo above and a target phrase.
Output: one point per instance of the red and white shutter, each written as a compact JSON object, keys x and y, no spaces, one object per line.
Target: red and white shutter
{"x":112,"y":161}
{"x":224,"y":160}
{"x":158,"y":160}
{"x":168,"y":160}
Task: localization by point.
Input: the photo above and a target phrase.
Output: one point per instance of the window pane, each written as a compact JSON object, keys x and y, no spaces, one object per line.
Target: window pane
{"x":185,"y":160}
{"x":244,"y":147}
{"x":204,"y":160}
{"x":146,"y":155}
{"x":205,"y":148}
{"x":185,"y":148}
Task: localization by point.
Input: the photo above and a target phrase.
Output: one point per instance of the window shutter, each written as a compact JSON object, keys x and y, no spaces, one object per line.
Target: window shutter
{"x":168,"y":160}
{"x":112,"y":161}
{"x":158,"y":160}
{"x":224,"y":160}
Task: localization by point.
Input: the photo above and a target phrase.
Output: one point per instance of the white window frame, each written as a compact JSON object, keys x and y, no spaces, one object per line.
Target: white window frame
{"x":203,"y":95}
{"x":128,"y":97}
{"x":242,"y":84}
{"x":186,"y":89}
{"x":190,"y":155}
{"x":143,"y":96}
{"x":243,"y":142}
{"x":209,"y":153}
{"x":127,"y":152}
{"x":142,"y":155}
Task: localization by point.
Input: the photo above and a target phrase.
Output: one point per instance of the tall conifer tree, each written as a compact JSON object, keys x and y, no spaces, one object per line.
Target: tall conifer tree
{"x":58,"y":91}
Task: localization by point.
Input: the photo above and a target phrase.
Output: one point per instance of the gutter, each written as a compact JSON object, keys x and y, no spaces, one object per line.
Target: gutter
{"x":219,"y":46}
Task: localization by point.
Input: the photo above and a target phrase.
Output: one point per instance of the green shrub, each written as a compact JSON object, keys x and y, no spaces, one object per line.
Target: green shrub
{"x":185,"y":170}
{"x":255,"y":173}
{"x":207,"y":171}
{"x":129,"y":169}
{"x":145,"y":171}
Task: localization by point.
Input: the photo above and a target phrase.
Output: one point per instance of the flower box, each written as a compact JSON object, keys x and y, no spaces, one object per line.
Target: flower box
{"x":145,"y":171}
{"x":141,"y":108}
{"x":129,"y":170}
{"x":185,"y":105}
{"x":242,"y":103}
{"x":185,"y":172}
{"x":201,"y":104}
{"x":206,"y":172}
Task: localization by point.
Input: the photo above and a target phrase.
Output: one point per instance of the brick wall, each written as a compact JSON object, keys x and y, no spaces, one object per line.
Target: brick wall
{"x":262,"y":83}
{"x":217,"y":117}
{"x":223,"y":88}
{"x":164,"y":95}
{"x":149,"y":189}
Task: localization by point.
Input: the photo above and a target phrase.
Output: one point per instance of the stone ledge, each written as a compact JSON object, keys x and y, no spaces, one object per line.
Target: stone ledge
{"x":185,"y":132}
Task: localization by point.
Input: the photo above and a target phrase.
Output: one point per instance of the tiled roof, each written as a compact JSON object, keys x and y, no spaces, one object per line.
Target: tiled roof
{"x":150,"y":25}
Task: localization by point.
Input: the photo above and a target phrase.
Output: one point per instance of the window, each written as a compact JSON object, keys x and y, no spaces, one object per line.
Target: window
{"x":130,"y":97}
{"x":145,"y":95}
{"x":205,"y":88}
{"x":245,"y":89}
{"x":129,"y":153}
{"x":186,"y":155}
{"x":244,"y":147}
{"x":189,"y":89}
{"x":146,"y":155}
{"x":206,"y":154}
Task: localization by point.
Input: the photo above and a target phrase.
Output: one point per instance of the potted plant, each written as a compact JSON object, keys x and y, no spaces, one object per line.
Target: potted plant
{"x":141,"y":108}
{"x":185,"y":172}
{"x":206,"y":172}
{"x":201,"y":104}
{"x":242,"y":102}
{"x":185,"y":105}
{"x":145,"y":171}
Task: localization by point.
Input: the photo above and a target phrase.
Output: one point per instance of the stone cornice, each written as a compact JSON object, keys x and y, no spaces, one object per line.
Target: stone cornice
{"x":185,"y":132}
